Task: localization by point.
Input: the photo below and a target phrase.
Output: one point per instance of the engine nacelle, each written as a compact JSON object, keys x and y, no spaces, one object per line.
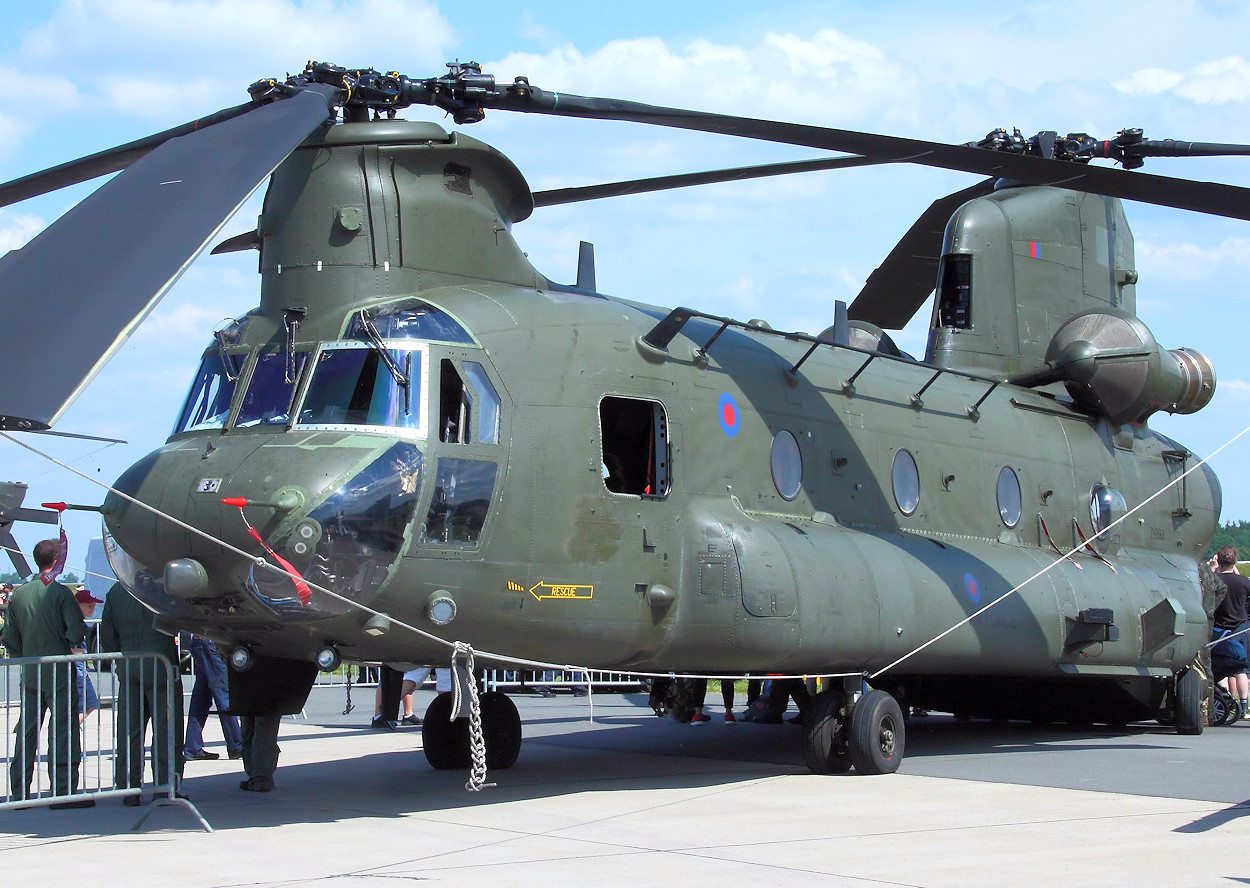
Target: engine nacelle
{"x":1112,"y":366}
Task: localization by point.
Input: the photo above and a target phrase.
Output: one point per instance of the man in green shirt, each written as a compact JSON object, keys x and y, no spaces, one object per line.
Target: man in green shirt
{"x":44,"y":620}
{"x":142,"y":692}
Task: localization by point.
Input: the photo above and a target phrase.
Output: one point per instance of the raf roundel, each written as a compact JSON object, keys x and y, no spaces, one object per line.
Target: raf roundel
{"x":974,"y":591}
{"x":729,"y":418}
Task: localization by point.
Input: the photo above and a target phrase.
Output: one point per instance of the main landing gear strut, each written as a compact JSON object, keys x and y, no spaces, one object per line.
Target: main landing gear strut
{"x":446,"y":742}
{"x":839,"y":732}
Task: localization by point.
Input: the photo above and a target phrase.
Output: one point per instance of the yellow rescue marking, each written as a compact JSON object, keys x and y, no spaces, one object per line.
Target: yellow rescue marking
{"x":558,"y":590}
{"x":515,"y":587}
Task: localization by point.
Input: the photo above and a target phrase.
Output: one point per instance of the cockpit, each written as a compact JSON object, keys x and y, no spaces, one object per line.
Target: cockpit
{"x":407,"y":375}
{"x":374,"y":377}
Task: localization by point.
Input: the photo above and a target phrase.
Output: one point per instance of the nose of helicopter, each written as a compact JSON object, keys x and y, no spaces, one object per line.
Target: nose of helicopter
{"x":263,"y":526}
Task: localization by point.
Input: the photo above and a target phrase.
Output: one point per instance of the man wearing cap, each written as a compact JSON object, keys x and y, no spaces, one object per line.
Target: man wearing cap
{"x":143,"y":691}
{"x":44,"y":621}
{"x":88,"y":700}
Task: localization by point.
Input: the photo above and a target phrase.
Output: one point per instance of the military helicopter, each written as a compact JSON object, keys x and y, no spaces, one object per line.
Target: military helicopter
{"x":375,"y":447}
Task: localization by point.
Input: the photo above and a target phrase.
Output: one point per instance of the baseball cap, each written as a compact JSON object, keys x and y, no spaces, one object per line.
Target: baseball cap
{"x":84,"y":596}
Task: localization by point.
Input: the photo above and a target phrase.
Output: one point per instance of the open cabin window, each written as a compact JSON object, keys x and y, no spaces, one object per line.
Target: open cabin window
{"x":468,"y":405}
{"x":954,"y":306}
{"x":353,"y":385}
{"x":635,"y":446}
{"x":208,"y":403}
{"x":271,"y":389}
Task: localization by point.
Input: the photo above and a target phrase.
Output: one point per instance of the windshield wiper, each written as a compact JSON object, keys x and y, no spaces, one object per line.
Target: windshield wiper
{"x":400,"y":374}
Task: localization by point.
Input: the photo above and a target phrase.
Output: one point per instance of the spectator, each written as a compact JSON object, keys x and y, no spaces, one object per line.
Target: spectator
{"x":44,"y":620}
{"x":211,"y":685}
{"x":88,"y":700}
{"x":1232,"y":618}
{"x":143,"y":692}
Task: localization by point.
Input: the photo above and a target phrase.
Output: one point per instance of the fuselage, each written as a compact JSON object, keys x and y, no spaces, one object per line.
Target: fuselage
{"x":418,"y":417}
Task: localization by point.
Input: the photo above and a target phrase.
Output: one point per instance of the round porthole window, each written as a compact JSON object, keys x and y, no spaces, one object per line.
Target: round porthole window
{"x":787,"y":464}
{"x":1009,"y":501}
{"x":906,"y":480}
{"x":1106,"y":506}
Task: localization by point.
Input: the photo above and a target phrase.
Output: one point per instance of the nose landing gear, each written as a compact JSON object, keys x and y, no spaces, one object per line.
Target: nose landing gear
{"x":446,"y":741}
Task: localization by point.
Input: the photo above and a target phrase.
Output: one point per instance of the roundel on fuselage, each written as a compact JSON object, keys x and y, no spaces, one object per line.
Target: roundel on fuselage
{"x":730,"y":419}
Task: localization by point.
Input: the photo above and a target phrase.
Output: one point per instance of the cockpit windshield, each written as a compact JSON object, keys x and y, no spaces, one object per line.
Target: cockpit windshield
{"x":208,"y":403}
{"x":271,"y":389}
{"x":355,"y":385}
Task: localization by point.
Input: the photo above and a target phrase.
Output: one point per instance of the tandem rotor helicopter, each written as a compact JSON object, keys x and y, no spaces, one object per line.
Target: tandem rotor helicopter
{"x":374,"y":446}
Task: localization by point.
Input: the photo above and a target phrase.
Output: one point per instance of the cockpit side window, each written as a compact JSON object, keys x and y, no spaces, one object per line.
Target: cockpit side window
{"x":460,"y":502}
{"x":468,"y":411}
{"x":488,"y":403}
{"x":635,"y":446}
{"x":453,"y":406}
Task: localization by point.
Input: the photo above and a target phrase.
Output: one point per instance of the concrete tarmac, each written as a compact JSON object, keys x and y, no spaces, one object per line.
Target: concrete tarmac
{"x":632,"y":799}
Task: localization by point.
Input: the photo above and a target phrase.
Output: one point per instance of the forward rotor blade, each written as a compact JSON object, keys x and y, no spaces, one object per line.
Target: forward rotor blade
{"x":74,"y":294}
{"x":685,"y":180}
{"x":1205,"y":197}
{"x":900,"y":285}
{"x":108,"y":161}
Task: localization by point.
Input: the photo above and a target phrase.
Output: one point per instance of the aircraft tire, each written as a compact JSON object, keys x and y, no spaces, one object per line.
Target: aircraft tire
{"x":445,"y":742}
{"x":501,"y":727}
{"x":877,"y":734}
{"x":825,"y":734}
{"x":1187,"y":703}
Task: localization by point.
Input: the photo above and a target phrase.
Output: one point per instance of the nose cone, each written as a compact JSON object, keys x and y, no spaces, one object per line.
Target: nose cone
{"x":336,"y":511}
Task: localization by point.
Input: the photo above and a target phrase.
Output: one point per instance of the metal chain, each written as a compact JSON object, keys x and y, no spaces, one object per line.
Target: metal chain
{"x":477,"y":740}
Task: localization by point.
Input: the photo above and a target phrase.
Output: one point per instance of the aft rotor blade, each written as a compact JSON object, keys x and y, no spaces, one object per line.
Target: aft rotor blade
{"x":898,"y":287}
{"x":685,"y":180}
{"x":73,"y":295}
{"x":1204,"y":197}
{"x":108,"y":161}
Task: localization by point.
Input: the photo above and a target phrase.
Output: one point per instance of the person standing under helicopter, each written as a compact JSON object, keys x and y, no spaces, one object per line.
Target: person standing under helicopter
{"x":1232,"y":617}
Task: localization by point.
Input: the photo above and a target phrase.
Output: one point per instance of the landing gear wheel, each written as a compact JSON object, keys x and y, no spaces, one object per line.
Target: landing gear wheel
{"x":825,"y":747}
{"x":445,"y":742}
{"x":1219,"y":708}
{"x":501,"y":728}
{"x":877,"y":734}
{"x":1187,"y":703}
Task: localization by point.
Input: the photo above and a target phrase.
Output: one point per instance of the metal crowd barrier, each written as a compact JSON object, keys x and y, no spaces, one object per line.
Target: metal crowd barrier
{"x":49,"y":719}
{"x":365,"y":675}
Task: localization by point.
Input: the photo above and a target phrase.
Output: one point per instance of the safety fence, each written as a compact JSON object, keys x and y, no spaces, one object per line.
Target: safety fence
{"x":76,"y":730}
{"x":522,"y":680}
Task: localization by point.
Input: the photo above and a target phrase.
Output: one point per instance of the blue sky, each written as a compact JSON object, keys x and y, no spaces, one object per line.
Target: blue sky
{"x":83,"y":76}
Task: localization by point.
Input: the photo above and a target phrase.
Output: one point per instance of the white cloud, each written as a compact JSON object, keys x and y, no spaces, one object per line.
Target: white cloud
{"x":226,"y":43}
{"x":1192,"y":261}
{"x":1215,"y":82}
{"x":1149,"y":81}
{"x":1236,"y":392}
{"x":1218,"y":82}
{"x":826,"y":76}
{"x":16,"y":229}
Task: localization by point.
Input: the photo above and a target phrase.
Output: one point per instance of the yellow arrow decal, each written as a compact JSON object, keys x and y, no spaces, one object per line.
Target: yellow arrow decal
{"x":561,"y":590}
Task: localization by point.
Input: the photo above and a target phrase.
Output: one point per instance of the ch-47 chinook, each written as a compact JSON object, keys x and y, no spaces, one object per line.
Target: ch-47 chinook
{"x":666,"y":490}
